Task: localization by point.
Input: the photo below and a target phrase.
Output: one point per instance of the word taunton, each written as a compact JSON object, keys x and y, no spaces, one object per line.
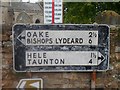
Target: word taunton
{"x":40,"y":58}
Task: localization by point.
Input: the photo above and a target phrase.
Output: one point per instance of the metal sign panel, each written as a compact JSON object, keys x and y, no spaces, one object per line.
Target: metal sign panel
{"x":36,"y":84}
{"x":63,"y":58}
{"x":56,"y":48}
{"x":53,"y":9}
{"x":52,"y":37}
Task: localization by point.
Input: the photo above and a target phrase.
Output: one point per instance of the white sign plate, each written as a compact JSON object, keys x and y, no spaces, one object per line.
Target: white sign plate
{"x":58,"y":13}
{"x":63,"y":58}
{"x":67,"y":37}
{"x":48,"y":11}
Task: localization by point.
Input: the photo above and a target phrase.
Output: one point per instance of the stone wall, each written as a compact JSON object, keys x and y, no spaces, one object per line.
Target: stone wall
{"x":108,"y":79}
{"x":108,"y":17}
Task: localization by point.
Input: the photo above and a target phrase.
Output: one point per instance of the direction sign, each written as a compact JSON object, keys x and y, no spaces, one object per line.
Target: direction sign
{"x":45,"y":48}
{"x":36,"y":84}
{"x":68,"y":37}
{"x":53,"y":11}
{"x":63,"y":58}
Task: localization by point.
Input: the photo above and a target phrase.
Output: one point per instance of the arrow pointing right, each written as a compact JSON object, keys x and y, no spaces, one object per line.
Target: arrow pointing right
{"x":101,"y":58}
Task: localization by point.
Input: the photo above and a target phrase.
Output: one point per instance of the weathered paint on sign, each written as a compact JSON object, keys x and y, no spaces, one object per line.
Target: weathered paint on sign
{"x":71,"y":48}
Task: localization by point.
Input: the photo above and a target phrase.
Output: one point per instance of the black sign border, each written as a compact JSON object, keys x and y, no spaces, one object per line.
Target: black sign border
{"x":102,"y":28}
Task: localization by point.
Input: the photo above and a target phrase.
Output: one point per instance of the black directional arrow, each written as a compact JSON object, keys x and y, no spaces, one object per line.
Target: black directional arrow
{"x":100,"y":58}
{"x":22,"y":37}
